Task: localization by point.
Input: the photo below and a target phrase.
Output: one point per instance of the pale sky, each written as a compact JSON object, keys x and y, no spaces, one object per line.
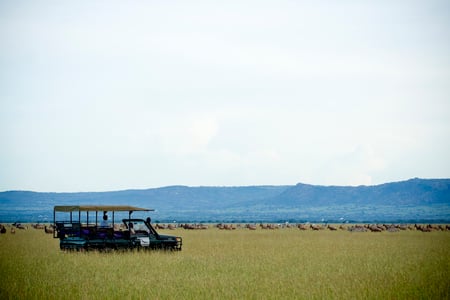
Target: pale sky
{"x":111,"y":95}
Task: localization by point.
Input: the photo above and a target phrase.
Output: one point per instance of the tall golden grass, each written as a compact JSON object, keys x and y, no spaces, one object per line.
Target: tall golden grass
{"x":238,"y":264}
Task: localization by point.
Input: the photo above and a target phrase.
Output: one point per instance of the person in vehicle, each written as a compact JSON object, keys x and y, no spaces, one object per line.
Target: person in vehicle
{"x":104,"y":222}
{"x":131,"y":228}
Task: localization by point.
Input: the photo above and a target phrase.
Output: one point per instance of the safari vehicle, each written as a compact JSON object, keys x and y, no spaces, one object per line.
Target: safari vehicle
{"x":79,"y":228}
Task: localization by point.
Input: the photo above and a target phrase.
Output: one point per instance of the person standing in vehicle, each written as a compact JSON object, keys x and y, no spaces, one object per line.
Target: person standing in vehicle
{"x":131,"y":228}
{"x":104,"y":222}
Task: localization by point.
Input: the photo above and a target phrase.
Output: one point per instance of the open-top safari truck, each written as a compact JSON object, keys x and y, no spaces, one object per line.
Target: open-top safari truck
{"x":80,"y":227}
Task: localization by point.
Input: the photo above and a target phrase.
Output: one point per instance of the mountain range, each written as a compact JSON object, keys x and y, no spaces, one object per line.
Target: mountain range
{"x":415,"y":200}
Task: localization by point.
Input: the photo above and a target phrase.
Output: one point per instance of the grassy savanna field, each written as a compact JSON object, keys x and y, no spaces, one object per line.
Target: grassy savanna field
{"x":238,"y":264}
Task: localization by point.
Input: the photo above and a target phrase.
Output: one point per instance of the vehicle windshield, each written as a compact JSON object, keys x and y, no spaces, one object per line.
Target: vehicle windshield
{"x":139,"y":226}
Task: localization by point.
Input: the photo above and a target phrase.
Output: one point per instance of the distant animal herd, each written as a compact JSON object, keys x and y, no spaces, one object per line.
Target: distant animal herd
{"x":262,"y":226}
{"x":12,"y":227}
{"x":311,"y":226}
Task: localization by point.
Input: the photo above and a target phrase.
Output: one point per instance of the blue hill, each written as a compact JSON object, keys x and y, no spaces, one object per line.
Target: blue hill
{"x":414,"y":200}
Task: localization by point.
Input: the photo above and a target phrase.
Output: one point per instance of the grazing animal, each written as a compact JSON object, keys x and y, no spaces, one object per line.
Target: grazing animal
{"x":48,"y":230}
{"x":2,"y":229}
{"x":188,"y":226}
{"x":160,"y":226}
{"x":332,"y":228}
{"x":423,"y":228}
{"x":229,"y":227}
{"x":302,"y":227}
{"x":375,"y":228}
{"x":38,"y":226}
{"x":403,"y":227}
{"x":13,"y":231}
{"x":20,"y":226}
{"x":315,"y":227}
{"x":357,"y":228}
{"x":251,"y":226}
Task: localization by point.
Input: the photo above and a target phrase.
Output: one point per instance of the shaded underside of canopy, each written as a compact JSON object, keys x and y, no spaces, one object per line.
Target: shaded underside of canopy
{"x":70,"y":208}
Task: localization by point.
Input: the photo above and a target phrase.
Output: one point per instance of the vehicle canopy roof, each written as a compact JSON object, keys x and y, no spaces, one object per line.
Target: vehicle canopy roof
{"x":71,"y":208}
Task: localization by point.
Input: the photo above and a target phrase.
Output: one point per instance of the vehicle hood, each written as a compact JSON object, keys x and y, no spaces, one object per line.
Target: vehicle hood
{"x":167,"y":237}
